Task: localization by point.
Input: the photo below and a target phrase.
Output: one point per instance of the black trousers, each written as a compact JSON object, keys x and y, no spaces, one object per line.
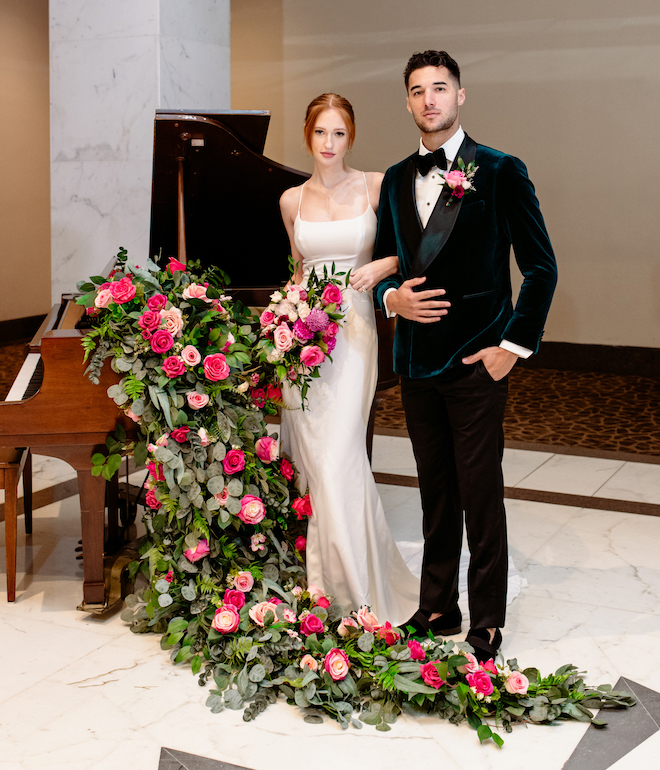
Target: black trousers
{"x":456,"y":430}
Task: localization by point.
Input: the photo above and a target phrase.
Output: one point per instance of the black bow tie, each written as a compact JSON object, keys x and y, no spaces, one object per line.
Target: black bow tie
{"x":425,"y":163}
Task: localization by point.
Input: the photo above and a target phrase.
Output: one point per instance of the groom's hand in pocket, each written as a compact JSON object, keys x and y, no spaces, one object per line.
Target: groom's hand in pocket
{"x":498,"y":362}
{"x":425,"y":307}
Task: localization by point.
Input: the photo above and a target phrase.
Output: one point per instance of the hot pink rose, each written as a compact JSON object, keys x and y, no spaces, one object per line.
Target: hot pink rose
{"x":517,"y":683}
{"x":195,"y":291}
{"x":161,"y":341}
{"x":103,"y":298}
{"x":198,"y":552}
{"x":157,"y":302}
{"x":267,"y":318}
{"x":216,"y":367}
{"x":416,"y":650}
{"x":234,"y":597}
{"x":156,"y":471}
{"x":244,"y":581}
{"x":301,"y":543}
{"x":430,"y":675}
{"x":367,"y":619}
{"x":172,"y":321}
{"x":173,"y":366}
{"x":286,"y":469}
{"x":226,"y":619}
{"x":151,"y":500}
{"x":311,"y":624}
{"x":252,"y":510}
{"x":336,"y":663}
{"x":307,"y":661}
{"x":149,"y":320}
{"x":258,"y":396}
{"x":388,"y":634}
{"x":311,"y":356}
{"x":331,"y":295}
{"x":191,"y":355}
{"x":180,"y":434}
{"x":122,"y":291}
{"x":489,"y":665}
{"x":302,"y":507}
{"x":481,"y":682}
{"x":175,"y":266}
{"x":223,"y":496}
{"x":169,"y":577}
{"x":458,"y":192}
{"x":259,"y":611}
{"x":283,"y":338}
{"x":323,"y":602}
{"x":234,"y":461}
{"x":273,"y":392}
{"x":197,"y":400}
{"x":471,"y":666}
{"x":331,"y":330}
{"x":266,"y":448}
{"x":344,"y":627}
{"x":454,"y":179}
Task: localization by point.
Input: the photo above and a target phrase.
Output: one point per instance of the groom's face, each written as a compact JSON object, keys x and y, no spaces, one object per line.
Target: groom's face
{"x":434,"y":99}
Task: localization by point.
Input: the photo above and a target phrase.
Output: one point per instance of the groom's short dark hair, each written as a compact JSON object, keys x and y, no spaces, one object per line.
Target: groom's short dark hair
{"x":431,"y":59}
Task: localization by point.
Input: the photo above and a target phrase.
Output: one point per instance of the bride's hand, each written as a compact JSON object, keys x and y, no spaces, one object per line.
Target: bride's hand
{"x":367,"y":276}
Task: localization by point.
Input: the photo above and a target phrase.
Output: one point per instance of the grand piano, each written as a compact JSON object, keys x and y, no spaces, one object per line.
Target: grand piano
{"x":214,"y":199}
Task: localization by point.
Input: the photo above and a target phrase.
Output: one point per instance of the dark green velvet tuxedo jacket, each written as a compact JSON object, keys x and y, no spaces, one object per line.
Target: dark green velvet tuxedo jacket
{"x":465,"y":249}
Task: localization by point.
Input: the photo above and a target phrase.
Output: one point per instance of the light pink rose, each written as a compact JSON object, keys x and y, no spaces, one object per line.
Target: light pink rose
{"x":244,"y":581}
{"x":286,"y":308}
{"x":252,"y":510}
{"x":266,"y":318}
{"x":289,"y":615}
{"x":311,"y":624}
{"x":517,"y":683}
{"x":258,"y":612}
{"x":283,"y":338}
{"x":195,"y":291}
{"x":311,"y":355}
{"x":204,"y":436}
{"x":197,"y":400}
{"x":122,"y":291}
{"x":331,"y":295}
{"x":454,"y":179}
{"x":198,"y":552}
{"x":431,"y":676}
{"x":266,"y":448}
{"x":216,"y":367}
{"x":103,"y":298}
{"x":315,"y":592}
{"x":162,"y":440}
{"x":367,"y":619}
{"x":172,"y":321}
{"x":481,"y":682}
{"x":131,"y":415}
{"x":344,"y":627}
{"x":471,"y":666}
{"x":230,"y":341}
{"x":308,"y":662}
{"x":222,"y":497}
{"x":257,"y":542}
{"x":191,"y":355}
{"x":226,"y":619}
{"x":297,"y":591}
{"x":336,"y":663}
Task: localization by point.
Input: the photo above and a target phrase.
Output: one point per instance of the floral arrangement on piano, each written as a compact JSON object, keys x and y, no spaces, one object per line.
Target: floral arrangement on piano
{"x":223,"y":555}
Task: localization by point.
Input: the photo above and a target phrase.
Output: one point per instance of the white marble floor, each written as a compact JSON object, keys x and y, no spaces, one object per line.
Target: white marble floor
{"x":82,"y":692}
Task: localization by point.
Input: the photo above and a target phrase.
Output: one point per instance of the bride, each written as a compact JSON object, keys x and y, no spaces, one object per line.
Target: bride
{"x":331,"y":218}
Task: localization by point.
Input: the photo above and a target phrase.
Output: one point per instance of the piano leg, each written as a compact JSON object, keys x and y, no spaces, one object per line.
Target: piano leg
{"x":92,"y":510}
{"x":11,"y":476}
{"x":27,"y":493}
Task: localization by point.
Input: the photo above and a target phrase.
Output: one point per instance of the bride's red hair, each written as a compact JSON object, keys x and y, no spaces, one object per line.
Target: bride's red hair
{"x":329,"y":102}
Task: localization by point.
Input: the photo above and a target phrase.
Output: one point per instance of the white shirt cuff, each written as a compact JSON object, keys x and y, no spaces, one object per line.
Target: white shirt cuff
{"x":517,"y":349}
{"x":388,"y":313}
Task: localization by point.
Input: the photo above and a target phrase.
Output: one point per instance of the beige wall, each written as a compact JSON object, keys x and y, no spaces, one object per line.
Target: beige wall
{"x":25,"y":187}
{"x":571,"y":88}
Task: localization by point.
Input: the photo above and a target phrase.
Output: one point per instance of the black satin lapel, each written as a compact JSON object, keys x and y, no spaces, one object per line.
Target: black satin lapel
{"x":409,"y":218}
{"x":443,"y":218}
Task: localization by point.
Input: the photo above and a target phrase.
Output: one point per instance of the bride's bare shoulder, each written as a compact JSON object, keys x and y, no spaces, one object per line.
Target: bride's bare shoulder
{"x":374,"y":180}
{"x":289,"y":199}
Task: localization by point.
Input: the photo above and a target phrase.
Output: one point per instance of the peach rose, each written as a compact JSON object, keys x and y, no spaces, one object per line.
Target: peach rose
{"x":308,"y":662}
{"x":244,"y":581}
{"x":197,"y":400}
{"x":517,"y":683}
{"x":367,"y":619}
{"x":258,"y":612}
{"x":344,"y":627}
{"x":336,"y":663}
{"x":195,"y":291}
{"x":252,"y":510}
{"x":226,"y":619}
{"x":172,"y":321}
{"x":283,"y":338}
{"x":103,"y":298}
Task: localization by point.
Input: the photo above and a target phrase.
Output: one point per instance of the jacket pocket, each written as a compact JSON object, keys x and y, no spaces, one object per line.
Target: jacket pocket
{"x":479,"y":294}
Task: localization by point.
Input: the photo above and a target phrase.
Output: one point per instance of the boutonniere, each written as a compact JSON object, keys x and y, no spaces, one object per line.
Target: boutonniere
{"x":460,"y":180}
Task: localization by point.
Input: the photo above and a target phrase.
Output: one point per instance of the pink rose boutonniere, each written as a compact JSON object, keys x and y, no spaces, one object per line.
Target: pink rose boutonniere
{"x":459,"y":181}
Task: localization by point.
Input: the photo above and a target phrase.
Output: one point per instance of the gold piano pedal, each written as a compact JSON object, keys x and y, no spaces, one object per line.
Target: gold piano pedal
{"x":115,"y":577}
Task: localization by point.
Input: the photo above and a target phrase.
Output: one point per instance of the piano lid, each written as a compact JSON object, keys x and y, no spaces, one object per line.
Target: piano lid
{"x":231,"y":194}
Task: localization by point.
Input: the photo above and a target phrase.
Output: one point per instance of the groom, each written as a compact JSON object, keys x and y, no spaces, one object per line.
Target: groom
{"x":458,"y":336}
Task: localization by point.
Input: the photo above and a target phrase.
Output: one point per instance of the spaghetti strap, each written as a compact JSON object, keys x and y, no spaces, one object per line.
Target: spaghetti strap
{"x":300,"y":199}
{"x":364,"y":176}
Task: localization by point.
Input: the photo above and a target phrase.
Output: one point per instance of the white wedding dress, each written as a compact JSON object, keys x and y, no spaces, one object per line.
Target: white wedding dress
{"x":351,"y":553}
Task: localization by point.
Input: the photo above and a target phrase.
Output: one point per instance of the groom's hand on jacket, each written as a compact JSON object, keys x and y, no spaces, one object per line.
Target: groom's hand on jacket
{"x":498,"y":362}
{"x":421,"y":306}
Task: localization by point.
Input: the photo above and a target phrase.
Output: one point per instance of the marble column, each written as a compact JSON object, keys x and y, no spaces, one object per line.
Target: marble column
{"x":111,"y":66}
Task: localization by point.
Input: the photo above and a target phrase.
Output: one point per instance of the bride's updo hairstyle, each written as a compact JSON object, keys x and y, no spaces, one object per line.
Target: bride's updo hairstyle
{"x":329,"y":102}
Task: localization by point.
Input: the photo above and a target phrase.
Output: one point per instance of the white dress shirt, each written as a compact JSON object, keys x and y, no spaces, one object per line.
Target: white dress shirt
{"x":427,"y":192}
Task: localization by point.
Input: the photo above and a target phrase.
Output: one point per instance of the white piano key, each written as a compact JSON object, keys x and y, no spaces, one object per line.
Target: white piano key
{"x":22,"y":381}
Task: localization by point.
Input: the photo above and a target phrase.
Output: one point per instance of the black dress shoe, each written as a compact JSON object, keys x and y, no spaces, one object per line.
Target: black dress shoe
{"x":447,"y":624}
{"x":484,"y":649}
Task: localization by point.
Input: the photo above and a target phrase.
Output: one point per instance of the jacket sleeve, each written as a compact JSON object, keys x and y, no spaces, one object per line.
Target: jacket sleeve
{"x":386,"y":244}
{"x":533,"y":253}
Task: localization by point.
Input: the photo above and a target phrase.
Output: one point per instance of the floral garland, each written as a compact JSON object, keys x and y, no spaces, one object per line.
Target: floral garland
{"x":223,"y":555}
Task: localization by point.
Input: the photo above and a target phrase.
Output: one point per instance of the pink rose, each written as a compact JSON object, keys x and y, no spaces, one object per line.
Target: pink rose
{"x":283,"y":338}
{"x":175,"y":266}
{"x":302,"y":507}
{"x":267,"y":318}
{"x":323,"y":602}
{"x":454,"y":179}
{"x":216,"y":367}
{"x":307,"y":661}
{"x":234,"y":461}
{"x":223,"y":496}
{"x":273,"y":392}
{"x":195,"y":291}
{"x":259,"y":611}
{"x":331,"y":295}
{"x":311,"y":624}
{"x":266,"y":448}
{"x":254,"y":378}
{"x":132,"y":416}
{"x":517,"y":683}
{"x":336,"y":663}
{"x":344,"y":627}
{"x":204,"y":437}
{"x":430,"y":675}
{"x":289,"y":615}
{"x":197,"y":400}
{"x":257,"y":542}
{"x":198,"y":552}
{"x":230,"y":341}
{"x":149,"y":321}
{"x":169,"y":577}
{"x":173,"y":366}
{"x":234,"y":597}
{"x":122,"y":291}
{"x":315,"y":592}
{"x":161,"y":341}
{"x":367,"y":619}
{"x":252,"y":510}
{"x":172,"y":321}
{"x":162,"y":440}
{"x":157,"y":302}
{"x":471,"y":666}
{"x":297,"y":591}
{"x":301,"y":543}
{"x":489,"y":665}
{"x":151,"y":500}
{"x":416,"y":650}
{"x":156,"y":471}
{"x":226,"y":619}
{"x":286,"y":469}
{"x":258,"y":396}
{"x":480,"y":682}
{"x":388,"y":634}
{"x":331,"y":330}
{"x":311,"y":356}
{"x":103,"y":298}
{"x":244,"y":581}
{"x":191,"y":355}
{"x":180,"y":434}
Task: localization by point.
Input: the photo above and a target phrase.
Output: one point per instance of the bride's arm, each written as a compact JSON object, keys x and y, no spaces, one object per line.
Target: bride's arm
{"x":288,"y":207}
